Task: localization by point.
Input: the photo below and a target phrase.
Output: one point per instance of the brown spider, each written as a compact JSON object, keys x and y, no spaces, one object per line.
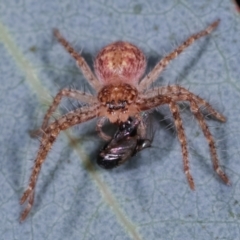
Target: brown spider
{"x":120,"y":94}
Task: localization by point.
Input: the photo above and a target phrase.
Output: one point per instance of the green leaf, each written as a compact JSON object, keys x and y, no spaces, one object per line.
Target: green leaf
{"x":148,"y":197}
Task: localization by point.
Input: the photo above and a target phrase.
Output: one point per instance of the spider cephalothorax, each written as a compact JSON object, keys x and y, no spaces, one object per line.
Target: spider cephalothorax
{"x":118,"y":102}
{"x":121,"y":94}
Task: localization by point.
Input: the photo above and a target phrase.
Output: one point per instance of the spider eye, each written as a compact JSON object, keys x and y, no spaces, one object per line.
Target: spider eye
{"x":116,"y":105}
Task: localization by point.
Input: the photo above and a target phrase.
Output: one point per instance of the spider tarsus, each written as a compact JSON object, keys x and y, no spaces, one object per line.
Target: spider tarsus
{"x":191,"y":182}
{"x":223,"y":176}
{"x":25,"y":213}
{"x":192,"y":187}
{"x":215,"y":23}
{"x":229,"y":183}
{"x":212,"y":26}
{"x":28,"y":194}
{"x":56,"y":32}
{"x":222,"y":118}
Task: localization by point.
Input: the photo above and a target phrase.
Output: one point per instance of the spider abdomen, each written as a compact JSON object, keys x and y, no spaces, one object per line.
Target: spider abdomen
{"x":120,"y":62}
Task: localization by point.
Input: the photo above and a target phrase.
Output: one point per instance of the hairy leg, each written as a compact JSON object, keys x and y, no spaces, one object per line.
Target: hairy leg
{"x":144,"y":103}
{"x":71,"y":93}
{"x":211,"y":143}
{"x":162,"y":64}
{"x":93,"y":81}
{"x":183,"y":141}
{"x":178,"y":93}
{"x":48,"y":138}
{"x":144,"y":128}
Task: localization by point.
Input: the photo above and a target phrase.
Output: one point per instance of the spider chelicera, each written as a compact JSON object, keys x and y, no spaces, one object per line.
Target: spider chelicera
{"x":122,"y":93}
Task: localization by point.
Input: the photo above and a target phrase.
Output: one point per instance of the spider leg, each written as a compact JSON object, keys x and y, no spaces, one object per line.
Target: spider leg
{"x":144,"y":128}
{"x":158,"y":100}
{"x":211,"y":143}
{"x":28,"y":207}
{"x":48,"y":138}
{"x":99,"y":126}
{"x":183,"y":141}
{"x":146,"y":103}
{"x":162,"y":64}
{"x":179,"y":93}
{"x":81,"y":96}
{"x":80,"y":61}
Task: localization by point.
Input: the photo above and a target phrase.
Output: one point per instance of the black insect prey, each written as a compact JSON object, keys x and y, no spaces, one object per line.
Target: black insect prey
{"x":126,"y":142}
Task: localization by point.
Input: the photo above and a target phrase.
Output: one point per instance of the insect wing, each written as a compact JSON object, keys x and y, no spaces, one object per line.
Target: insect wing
{"x":117,"y":152}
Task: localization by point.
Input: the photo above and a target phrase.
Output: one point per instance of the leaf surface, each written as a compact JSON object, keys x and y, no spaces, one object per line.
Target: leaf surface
{"x":148,"y":197}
